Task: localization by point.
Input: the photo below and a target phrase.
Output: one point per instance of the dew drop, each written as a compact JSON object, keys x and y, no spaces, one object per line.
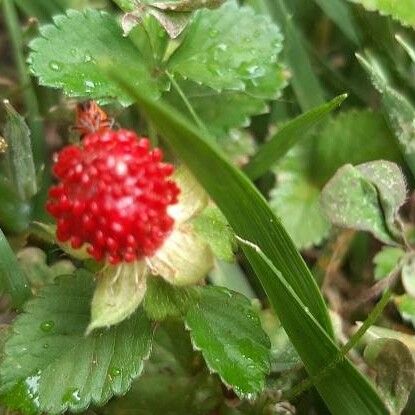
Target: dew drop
{"x":87,"y":57}
{"x":115,"y":372}
{"x":74,"y":51}
{"x":213,"y":33}
{"x":46,"y":346}
{"x":71,"y":396}
{"x":47,"y":326}
{"x":55,"y":66}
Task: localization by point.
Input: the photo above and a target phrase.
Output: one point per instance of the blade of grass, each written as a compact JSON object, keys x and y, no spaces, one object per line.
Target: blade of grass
{"x":289,"y":135}
{"x":329,"y":362}
{"x":12,"y":279}
{"x":287,"y":280}
{"x":245,"y":208}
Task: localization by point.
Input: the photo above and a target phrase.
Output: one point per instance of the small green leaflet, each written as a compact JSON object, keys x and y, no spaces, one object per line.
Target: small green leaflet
{"x":226,"y":329}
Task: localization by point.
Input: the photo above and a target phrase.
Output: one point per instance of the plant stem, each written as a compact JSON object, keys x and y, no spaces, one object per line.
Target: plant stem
{"x":29,"y":96}
{"x":189,"y":106}
{"x":371,"y":319}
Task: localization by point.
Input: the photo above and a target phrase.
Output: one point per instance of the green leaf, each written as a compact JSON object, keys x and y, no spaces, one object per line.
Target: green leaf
{"x":174,"y":382}
{"x":223,"y":110}
{"x":12,"y":278}
{"x":290,"y":134}
{"x":346,"y":390}
{"x":119,"y":291}
{"x":402,"y":10}
{"x":98,"y":39}
{"x":164,"y":300}
{"x":386,"y":261}
{"x":225,"y":328}
{"x":50,"y":362}
{"x":213,"y":228}
{"x":395,"y":371}
{"x":406,"y":307}
{"x":297,"y":202}
{"x":18,"y":160}
{"x":401,"y":112}
{"x":212,"y":52}
{"x":366,"y":197}
{"x":408,"y":276}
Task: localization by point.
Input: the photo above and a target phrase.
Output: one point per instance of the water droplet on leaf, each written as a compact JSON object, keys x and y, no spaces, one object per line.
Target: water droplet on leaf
{"x":47,"y":326}
{"x":55,"y":66}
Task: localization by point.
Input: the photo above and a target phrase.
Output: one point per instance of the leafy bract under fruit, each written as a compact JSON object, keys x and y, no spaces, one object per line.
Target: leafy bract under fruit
{"x":211,"y":60}
{"x":50,"y":366}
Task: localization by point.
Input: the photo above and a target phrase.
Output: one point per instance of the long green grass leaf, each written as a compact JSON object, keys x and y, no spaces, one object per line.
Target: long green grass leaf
{"x":245,"y":208}
{"x":273,"y":150}
{"x":295,"y":295}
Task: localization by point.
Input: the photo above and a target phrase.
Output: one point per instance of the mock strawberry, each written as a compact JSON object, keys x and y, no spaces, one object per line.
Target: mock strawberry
{"x":113,"y":195}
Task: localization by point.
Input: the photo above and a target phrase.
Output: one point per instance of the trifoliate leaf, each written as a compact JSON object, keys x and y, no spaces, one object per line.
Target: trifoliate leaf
{"x":402,"y":10}
{"x":406,"y":307}
{"x":223,"y":55}
{"x":49,"y":361}
{"x":119,"y":291}
{"x":213,"y":228}
{"x":297,"y":201}
{"x":226,"y":329}
{"x":395,"y":371}
{"x":408,"y":276}
{"x":355,"y":198}
{"x":164,"y":300}
{"x":386,"y":261}
{"x":96,"y":40}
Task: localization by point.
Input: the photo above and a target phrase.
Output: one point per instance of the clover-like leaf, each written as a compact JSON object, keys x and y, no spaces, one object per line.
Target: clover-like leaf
{"x":366,"y":197}
{"x":51,"y":365}
{"x":395,"y":371}
{"x":96,"y":39}
{"x":226,"y":329}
